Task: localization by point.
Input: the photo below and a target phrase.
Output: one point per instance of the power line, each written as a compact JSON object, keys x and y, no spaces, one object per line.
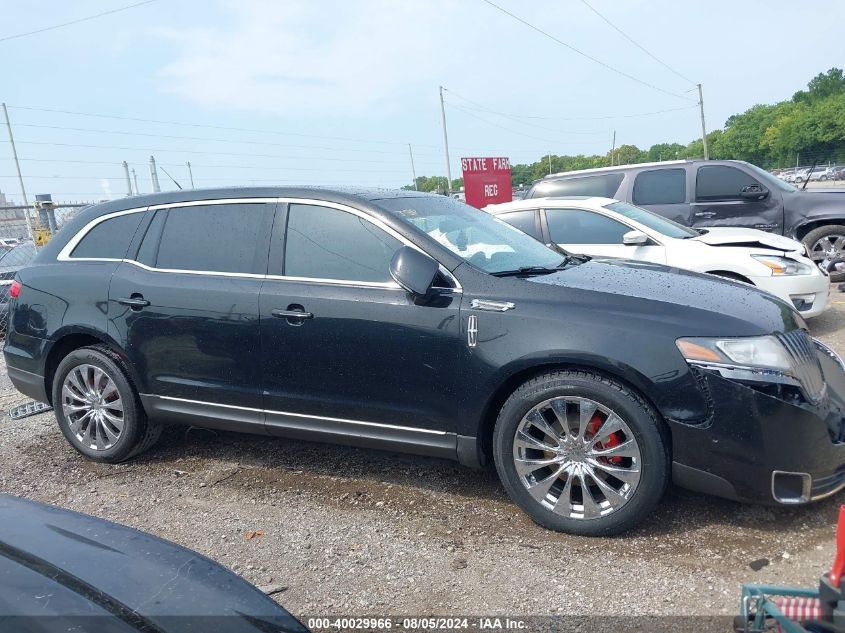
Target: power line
{"x":582,"y":53}
{"x":488,"y":122}
{"x":123,"y":178}
{"x":518,"y":119}
{"x":156,"y":149}
{"x":77,"y":21}
{"x":147,"y":149}
{"x":222,"y":140}
{"x":210,"y":166}
{"x":217,"y":127}
{"x":480,"y":107}
{"x":436,"y":149}
{"x":637,"y":44}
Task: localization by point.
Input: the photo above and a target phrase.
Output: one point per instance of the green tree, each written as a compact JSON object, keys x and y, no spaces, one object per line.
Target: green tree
{"x":626,"y":155}
{"x":665,"y":151}
{"x":821,"y":86}
{"x":810,"y":125}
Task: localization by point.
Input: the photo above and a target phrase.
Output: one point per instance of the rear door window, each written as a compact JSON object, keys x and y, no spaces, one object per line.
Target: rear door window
{"x":109,"y":239}
{"x":525,"y":221}
{"x":603,"y":185}
{"x":721,"y":182}
{"x":660,"y":186}
{"x":577,"y":226}
{"x":209,"y":238}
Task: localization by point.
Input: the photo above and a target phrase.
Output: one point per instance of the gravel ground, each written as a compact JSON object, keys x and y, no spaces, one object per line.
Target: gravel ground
{"x":355,"y":532}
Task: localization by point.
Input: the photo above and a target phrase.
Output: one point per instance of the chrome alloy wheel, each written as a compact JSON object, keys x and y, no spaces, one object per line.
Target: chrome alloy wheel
{"x":576,"y":457}
{"x":92,"y":407}
{"x":827,"y":248}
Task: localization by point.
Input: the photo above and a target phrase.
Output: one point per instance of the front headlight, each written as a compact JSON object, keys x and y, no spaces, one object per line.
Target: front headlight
{"x":783,"y":265}
{"x":764,"y":352}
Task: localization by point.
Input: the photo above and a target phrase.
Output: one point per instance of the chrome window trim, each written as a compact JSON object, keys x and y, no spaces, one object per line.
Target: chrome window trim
{"x":180,"y":271}
{"x":199,"y":203}
{"x":375,"y":222}
{"x":386,"y":285}
{"x":300,"y":415}
{"x":64,"y":254}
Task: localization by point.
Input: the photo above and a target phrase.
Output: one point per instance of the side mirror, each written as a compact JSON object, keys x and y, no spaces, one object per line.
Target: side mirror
{"x":413,"y":270}
{"x":634,"y":238}
{"x":753,"y":192}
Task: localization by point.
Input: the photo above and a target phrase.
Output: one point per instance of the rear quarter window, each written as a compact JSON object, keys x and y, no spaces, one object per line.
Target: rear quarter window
{"x":109,"y":239}
{"x":603,"y":185}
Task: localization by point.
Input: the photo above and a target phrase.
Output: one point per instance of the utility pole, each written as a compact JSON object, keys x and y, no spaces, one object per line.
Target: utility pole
{"x":613,"y":149}
{"x":703,"y":127}
{"x":446,"y":145}
{"x":154,"y":175}
{"x":413,"y":169}
{"x":128,"y":181}
{"x":135,"y":178}
{"x":550,"y":163}
{"x":191,"y":174}
{"x":20,"y":177}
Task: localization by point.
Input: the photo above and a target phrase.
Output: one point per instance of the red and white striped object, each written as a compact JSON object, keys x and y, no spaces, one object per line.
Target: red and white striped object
{"x":800,"y":609}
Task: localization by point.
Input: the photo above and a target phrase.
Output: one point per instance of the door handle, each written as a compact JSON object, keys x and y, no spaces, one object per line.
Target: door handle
{"x":292,"y":315}
{"x":136,"y":302}
{"x":704,"y":214}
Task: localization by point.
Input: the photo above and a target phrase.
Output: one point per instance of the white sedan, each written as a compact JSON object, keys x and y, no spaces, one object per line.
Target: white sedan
{"x":609,"y":228}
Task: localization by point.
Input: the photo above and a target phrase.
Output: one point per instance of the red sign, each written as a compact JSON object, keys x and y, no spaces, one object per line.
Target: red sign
{"x":487,"y":181}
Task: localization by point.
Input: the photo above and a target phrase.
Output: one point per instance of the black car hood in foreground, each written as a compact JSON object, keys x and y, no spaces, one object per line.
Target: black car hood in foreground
{"x":750,"y":311}
{"x":64,"y":571}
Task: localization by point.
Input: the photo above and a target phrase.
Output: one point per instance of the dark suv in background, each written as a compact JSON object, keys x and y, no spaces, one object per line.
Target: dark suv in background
{"x":701,"y":193}
{"x":414,"y":322}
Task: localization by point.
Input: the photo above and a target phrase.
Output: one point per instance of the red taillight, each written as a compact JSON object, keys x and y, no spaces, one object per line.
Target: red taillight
{"x":15,"y":289}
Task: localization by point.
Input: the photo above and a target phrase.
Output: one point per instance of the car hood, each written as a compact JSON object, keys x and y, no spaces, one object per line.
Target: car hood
{"x":747,"y":238}
{"x":62,"y":571}
{"x":655,"y":291}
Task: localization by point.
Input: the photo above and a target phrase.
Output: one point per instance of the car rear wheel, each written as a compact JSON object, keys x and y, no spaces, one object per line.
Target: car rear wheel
{"x":97,"y":407}
{"x":824,"y":244}
{"x":581,"y":453}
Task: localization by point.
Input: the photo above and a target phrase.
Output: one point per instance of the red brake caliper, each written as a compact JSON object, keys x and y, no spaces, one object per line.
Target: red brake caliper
{"x":613,"y":440}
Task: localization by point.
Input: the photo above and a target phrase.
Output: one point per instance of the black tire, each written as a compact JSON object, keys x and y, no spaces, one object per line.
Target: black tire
{"x":650,"y":433}
{"x":138,"y":433}
{"x":819,"y":233}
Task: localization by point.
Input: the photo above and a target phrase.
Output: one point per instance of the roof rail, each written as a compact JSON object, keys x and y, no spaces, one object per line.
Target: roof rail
{"x":598,"y":170}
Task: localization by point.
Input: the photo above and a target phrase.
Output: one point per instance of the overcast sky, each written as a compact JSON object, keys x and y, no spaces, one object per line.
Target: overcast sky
{"x":335,"y":90}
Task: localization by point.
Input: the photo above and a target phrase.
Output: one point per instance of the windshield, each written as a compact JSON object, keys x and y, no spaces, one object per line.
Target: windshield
{"x":771,"y":181}
{"x":19,"y":256}
{"x":652,"y":220}
{"x":484,"y":241}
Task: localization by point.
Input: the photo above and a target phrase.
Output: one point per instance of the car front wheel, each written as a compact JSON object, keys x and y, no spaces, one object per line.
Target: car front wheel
{"x":825,"y":244}
{"x":581,"y":453}
{"x":97,"y":407}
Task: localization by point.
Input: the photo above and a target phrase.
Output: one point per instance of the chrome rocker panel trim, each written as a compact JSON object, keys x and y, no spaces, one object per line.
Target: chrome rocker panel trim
{"x":227,"y":417}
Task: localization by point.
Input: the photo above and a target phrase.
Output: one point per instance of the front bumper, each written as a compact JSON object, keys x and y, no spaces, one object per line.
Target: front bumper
{"x":809,"y":294}
{"x":750,"y":436}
